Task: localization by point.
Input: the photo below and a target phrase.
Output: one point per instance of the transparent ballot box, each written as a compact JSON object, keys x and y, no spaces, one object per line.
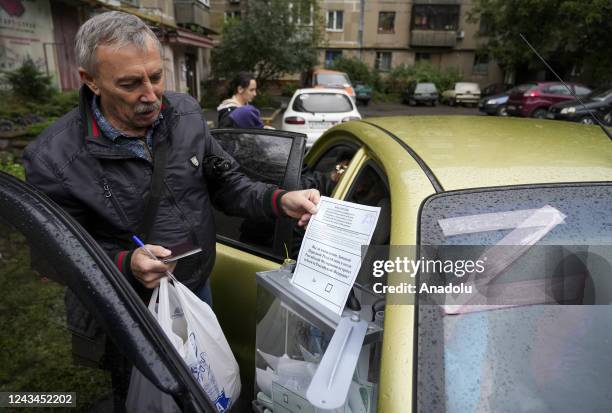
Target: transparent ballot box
{"x":293,"y":334}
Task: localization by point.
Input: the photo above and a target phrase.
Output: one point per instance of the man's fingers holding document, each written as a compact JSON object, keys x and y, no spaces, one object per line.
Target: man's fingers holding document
{"x":301,"y":204}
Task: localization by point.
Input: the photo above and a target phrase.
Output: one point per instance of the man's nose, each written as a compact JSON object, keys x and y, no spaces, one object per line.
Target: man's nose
{"x":148,"y":93}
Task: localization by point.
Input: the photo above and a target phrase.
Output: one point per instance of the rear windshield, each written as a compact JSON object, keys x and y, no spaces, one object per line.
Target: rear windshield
{"x":426,"y":88}
{"x":523,"y":88}
{"x":535,"y":335}
{"x":322,"y":102}
{"x":602,"y":94}
{"x":464,"y":87}
{"x":332,"y":79}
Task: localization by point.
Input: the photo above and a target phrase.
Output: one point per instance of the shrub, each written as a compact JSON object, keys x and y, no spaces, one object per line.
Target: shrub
{"x":289,"y":89}
{"x":29,"y":83}
{"x":264,"y":100}
{"x":357,"y":70}
{"x":401,"y":76}
{"x":36,"y":129}
{"x":60,"y":104}
{"x":9,"y":166}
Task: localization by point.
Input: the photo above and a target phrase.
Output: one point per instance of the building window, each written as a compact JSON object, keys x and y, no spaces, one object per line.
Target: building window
{"x":435,"y":17}
{"x":300,"y":14}
{"x":330,"y":56}
{"x":486,"y":24}
{"x":383,"y":61}
{"x":335,"y":20}
{"x":481,"y":63}
{"x":420,"y":57}
{"x":232,"y":15}
{"x":386,"y":22}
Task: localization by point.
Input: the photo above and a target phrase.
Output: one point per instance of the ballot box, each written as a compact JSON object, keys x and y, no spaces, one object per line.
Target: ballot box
{"x":292,"y":336}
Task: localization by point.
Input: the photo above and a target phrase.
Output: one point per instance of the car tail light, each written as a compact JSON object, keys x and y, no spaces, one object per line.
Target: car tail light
{"x":532,"y":93}
{"x":349,"y":118}
{"x":295,"y":120}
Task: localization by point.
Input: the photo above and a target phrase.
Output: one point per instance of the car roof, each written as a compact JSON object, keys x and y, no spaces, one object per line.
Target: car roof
{"x":474,"y":151}
{"x":327,"y":71}
{"x":321,"y":90}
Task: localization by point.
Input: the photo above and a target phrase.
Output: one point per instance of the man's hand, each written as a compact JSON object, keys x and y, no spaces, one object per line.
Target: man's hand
{"x":147,"y":270}
{"x":301,"y":204}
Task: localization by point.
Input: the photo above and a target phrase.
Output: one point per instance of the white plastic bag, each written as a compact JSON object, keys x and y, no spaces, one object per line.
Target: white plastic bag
{"x":193,"y":329}
{"x":143,"y":396}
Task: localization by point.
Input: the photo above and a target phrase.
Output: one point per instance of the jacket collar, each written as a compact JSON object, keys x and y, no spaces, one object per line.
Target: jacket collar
{"x":95,"y":141}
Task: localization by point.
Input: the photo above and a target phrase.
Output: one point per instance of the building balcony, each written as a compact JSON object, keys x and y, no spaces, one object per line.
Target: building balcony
{"x":190,"y":12}
{"x":433,"y":38}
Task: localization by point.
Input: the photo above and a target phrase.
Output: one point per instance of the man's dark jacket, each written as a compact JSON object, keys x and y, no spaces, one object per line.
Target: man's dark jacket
{"x":105,"y":186}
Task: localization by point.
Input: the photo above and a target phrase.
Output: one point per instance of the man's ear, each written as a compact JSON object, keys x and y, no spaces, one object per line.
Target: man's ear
{"x":89,"y":81}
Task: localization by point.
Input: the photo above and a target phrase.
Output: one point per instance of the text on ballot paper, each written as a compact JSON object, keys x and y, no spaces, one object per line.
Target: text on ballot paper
{"x":330,"y":256}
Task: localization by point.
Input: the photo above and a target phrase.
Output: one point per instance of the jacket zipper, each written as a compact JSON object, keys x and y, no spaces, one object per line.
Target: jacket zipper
{"x":115,"y":202}
{"x":187,"y":223}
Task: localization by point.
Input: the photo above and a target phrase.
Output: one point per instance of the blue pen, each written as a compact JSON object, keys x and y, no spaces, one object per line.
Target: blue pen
{"x":141,"y":244}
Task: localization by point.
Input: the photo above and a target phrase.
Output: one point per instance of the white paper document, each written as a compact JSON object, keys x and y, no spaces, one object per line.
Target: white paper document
{"x":330,"y":255}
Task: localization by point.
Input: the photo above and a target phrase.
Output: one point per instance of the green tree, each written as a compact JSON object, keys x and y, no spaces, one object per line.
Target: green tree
{"x":569,"y":34}
{"x":29,"y":83}
{"x":273,"y":38}
{"x":356,"y":69}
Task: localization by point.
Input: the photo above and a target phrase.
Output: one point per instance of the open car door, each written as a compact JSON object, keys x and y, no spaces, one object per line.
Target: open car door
{"x":245,"y":246}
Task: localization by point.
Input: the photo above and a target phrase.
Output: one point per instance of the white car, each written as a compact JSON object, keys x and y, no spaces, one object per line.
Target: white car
{"x":313,"y":111}
{"x":463,"y":92}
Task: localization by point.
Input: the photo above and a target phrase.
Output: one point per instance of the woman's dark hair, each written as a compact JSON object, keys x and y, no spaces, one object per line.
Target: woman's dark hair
{"x":242,"y":79}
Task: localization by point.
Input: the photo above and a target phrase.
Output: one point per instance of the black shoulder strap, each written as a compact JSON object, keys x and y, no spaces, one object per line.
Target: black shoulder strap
{"x":157,"y":185}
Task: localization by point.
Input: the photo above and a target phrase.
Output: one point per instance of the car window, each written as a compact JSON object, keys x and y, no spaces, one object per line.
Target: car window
{"x":328,"y":161}
{"x":581,"y":90}
{"x":535,"y":330}
{"x":262,"y":156}
{"x":426,"y":88}
{"x":332,"y":79}
{"x":523,"y":88}
{"x":371,"y":188}
{"x":557,"y":90}
{"x":602,"y":94}
{"x":322,"y":103}
{"x":466,"y":87}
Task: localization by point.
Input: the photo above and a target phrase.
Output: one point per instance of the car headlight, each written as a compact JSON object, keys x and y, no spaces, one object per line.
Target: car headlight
{"x":491,"y":101}
{"x":566,"y":111}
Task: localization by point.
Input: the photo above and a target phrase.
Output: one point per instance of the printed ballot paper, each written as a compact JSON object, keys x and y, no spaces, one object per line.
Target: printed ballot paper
{"x":330,"y":255}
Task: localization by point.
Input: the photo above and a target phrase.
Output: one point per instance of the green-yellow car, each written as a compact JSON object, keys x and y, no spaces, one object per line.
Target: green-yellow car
{"x":487,"y":177}
{"x":532,"y":334}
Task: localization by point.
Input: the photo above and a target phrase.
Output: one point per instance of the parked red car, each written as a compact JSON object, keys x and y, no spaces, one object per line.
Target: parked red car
{"x":534,"y":99}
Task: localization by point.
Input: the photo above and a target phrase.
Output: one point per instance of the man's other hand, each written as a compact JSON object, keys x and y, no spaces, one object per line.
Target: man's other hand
{"x":147,"y":270}
{"x":301,"y":204}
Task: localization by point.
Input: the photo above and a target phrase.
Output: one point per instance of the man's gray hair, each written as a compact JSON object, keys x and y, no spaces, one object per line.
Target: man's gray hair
{"x":110,"y":28}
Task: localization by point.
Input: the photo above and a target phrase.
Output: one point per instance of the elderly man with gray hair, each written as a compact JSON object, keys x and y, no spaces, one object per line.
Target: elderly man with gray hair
{"x":131,"y":160}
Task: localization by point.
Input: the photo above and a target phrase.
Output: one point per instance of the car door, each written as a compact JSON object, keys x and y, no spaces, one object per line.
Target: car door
{"x":63,"y":304}
{"x":557,"y":93}
{"x":246,"y":246}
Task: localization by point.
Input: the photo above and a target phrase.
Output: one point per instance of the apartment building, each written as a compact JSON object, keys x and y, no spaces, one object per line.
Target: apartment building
{"x":388,"y":33}
{"x":44,"y":31}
